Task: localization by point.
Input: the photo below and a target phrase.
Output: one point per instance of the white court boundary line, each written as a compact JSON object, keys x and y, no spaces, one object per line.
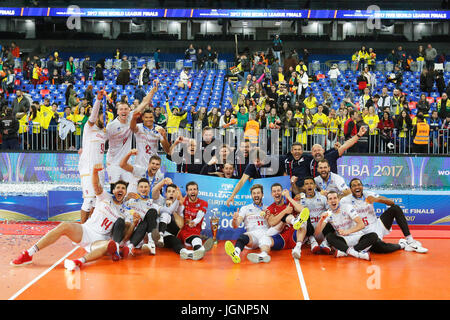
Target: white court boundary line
{"x":301,"y":279}
{"x":42,"y":274}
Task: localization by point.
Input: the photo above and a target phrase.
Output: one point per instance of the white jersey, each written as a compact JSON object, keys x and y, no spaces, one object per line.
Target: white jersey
{"x":141,"y":206}
{"x":161,"y":201}
{"x":147,"y":142}
{"x":142,"y":172}
{"x":316,"y":205}
{"x":365,"y":210}
{"x":106,"y":212}
{"x":344,"y":219}
{"x":119,"y":136}
{"x":93,"y":148}
{"x":335,"y":183}
{"x":254,"y":217}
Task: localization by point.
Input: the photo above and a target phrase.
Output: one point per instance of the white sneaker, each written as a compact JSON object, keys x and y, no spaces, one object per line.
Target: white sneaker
{"x":315,"y":248}
{"x":364,"y":256}
{"x":415,"y":246}
{"x":297,"y":251}
{"x":150,"y":247}
{"x":339,"y":254}
{"x":192,"y":255}
{"x":208,"y":244}
{"x":160,"y":242}
{"x":257,"y":258}
{"x":199,"y":253}
{"x":70,"y":265}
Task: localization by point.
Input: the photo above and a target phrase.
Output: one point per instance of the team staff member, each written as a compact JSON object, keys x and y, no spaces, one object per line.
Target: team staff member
{"x":332,"y":155}
{"x":421,"y":133}
{"x":296,"y":165}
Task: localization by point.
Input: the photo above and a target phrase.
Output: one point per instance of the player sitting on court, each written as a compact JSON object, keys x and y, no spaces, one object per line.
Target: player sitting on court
{"x":363,"y":201}
{"x":94,"y":234}
{"x":193,"y":214}
{"x":348,"y":238}
{"x":286,"y":232}
{"x":253,"y":216}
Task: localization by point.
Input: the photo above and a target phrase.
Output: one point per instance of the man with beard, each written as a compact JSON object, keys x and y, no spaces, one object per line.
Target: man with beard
{"x":363,"y":201}
{"x":286,"y":232}
{"x":193,"y":214}
{"x":328,"y":181}
{"x":348,"y":238}
{"x":242,"y":157}
{"x":92,"y":153}
{"x":151,"y":172}
{"x":296,"y":165}
{"x":94,"y":234}
{"x":256,"y":226}
{"x":147,"y":137}
{"x":190,"y":162}
{"x":332,"y":155}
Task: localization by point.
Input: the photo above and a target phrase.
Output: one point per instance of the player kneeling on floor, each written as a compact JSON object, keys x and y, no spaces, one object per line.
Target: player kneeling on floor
{"x":363,"y":201}
{"x":348,"y":238}
{"x":94,"y":234}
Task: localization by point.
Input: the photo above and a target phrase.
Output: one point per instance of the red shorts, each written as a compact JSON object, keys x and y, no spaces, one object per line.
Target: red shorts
{"x":285,"y":240}
{"x":187,"y":232}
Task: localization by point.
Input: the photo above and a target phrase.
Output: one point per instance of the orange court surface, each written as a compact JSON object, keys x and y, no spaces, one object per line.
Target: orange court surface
{"x":400,"y":275}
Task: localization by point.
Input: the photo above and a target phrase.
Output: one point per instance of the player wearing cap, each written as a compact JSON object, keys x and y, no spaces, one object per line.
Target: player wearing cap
{"x":348,"y":238}
{"x":363,"y":201}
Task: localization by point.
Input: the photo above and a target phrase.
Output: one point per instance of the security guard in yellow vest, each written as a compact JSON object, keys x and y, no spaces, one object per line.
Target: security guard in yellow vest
{"x":421,"y":135}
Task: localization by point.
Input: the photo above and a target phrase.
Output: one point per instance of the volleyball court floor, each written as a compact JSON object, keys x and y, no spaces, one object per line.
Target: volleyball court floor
{"x":400,"y":275}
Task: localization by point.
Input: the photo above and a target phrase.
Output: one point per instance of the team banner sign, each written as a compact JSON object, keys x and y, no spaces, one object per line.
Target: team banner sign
{"x":217,"y":190}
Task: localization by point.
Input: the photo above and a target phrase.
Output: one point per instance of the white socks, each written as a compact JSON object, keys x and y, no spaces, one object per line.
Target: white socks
{"x":32,"y":250}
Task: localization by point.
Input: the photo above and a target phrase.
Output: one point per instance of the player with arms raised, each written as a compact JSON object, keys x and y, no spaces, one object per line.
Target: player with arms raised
{"x":119,"y":134}
{"x":92,"y":153}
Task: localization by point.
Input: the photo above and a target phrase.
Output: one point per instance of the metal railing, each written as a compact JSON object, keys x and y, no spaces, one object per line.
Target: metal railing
{"x":36,"y":138}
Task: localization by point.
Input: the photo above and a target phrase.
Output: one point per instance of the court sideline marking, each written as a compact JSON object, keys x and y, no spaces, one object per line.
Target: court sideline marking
{"x":301,"y":279}
{"x":42,"y":274}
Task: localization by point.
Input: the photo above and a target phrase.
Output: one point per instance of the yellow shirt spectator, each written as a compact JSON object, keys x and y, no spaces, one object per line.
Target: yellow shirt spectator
{"x":372,"y":121}
{"x":320,"y":122}
{"x":310,"y":102}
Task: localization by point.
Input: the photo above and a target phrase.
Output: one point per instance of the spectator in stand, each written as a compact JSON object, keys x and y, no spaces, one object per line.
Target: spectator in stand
{"x":98,"y":76}
{"x":242,"y":117}
{"x":15,"y":50}
{"x":211,"y":57}
{"x":303,"y":83}
{"x":8,"y":82}
{"x":69,"y":78}
{"x":349,"y":95}
{"x":409,"y":61}
{"x":404,"y":127}
{"x":363,"y":57}
{"x":9,"y":126}
{"x":73,"y":100}
{"x":123,"y":78}
{"x":400,"y":58}
{"x":89,"y":94}
{"x":174,"y":117}
{"x":426,"y":81}
{"x":443,"y":106}
{"x":156,"y":58}
{"x":52,"y":127}
{"x":70,"y":66}
{"x":26,"y":68}
{"x":362,"y":144}
{"x":440,"y":82}
{"x":301,"y":66}
{"x":320,"y":122}
{"x":117,"y":54}
{"x":421,"y":134}
{"x":144,"y":76}
{"x":334,"y":73}
{"x":213,"y":118}
{"x":364,"y":98}
{"x":386,"y":127}
{"x":191,"y":54}
{"x":160,"y":118}
{"x":423,"y":105}
{"x":305,"y":56}
{"x":139,"y":93}
{"x":86,"y":68}
{"x":201,"y":59}
{"x":288,"y":125}
{"x":277,"y":46}
{"x":435,"y":125}
{"x":55,"y":78}
{"x":185,"y":78}
{"x":420,"y":59}
{"x":350,"y":129}
{"x":372,"y":56}
{"x":20,"y":105}
{"x":36,"y":73}
{"x":311,"y":103}
{"x":396,"y":77}
{"x":430,"y":57}
{"x":372,"y":120}
{"x":125,"y":64}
